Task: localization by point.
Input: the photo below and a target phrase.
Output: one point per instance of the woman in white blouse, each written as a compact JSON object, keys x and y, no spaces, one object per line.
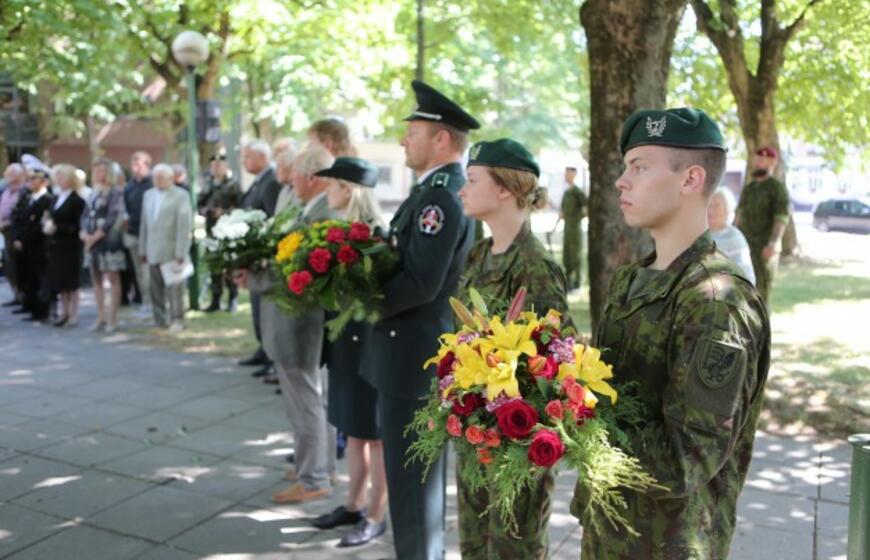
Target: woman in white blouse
{"x":729,"y":239}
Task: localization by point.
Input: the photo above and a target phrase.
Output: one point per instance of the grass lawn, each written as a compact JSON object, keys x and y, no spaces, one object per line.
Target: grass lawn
{"x":820,"y":367}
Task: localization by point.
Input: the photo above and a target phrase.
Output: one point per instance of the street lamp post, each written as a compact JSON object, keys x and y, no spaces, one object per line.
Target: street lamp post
{"x":190,"y":49}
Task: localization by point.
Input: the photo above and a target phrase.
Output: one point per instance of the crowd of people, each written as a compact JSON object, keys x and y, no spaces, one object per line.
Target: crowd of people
{"x":367,"y":385}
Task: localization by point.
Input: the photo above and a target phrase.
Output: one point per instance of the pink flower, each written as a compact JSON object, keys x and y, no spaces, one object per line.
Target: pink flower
{"x":474,"y":435}
{"x":491,"y":438}
{"x":555,"y":410}
{"x":454,"y":425}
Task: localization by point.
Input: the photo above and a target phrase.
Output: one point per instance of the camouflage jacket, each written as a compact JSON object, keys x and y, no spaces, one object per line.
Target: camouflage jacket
{"x":762,"y":203}
{"x":696,"y":339}
{"x":525,"y":263}
{"x":573,"y":206}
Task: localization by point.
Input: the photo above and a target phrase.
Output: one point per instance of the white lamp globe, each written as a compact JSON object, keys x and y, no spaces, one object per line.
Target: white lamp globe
{"x":190,"y":48}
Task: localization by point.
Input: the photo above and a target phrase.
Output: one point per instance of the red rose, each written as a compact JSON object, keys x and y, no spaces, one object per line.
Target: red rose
{"x":483,"y":456}
{"x":298,"y":281}
{"x":347,"y":255}
{"x":554,"y":410}
{"x":445,"y":366}
{"x":474,"y":435}
{"x":544,"y":367}
{"x":454,"y":425}
{"x":359,"y":232}
{"x":335,"y":235}
{"x":516,"y":419}
{"x":491,"y":438}
{"x":319,"y":259}
{"x":546,"y":448}
{"x":467,"y":404}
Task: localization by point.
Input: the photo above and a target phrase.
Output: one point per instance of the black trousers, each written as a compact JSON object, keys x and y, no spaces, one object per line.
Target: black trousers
{"x":33,"y":281}
{"x":416,"y":505}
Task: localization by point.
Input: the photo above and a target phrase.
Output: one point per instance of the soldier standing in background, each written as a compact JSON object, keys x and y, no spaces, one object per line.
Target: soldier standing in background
{"x":221,"y":195}
{"x":691,"y":333}
{"x":762,"y":215}
{"x":573,"y":211}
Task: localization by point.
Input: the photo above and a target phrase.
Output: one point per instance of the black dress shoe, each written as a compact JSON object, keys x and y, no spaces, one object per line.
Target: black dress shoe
{"x":60,"y":322}
{"x":363,"y":533}
{"x":338,"y":517}
{"x":36,"y":319}
{"x":254,"y":360}
{"x":290,"y":458}
{"x":12,"y":303}
{"x":263,"y":371}
{"x":20,"y":311}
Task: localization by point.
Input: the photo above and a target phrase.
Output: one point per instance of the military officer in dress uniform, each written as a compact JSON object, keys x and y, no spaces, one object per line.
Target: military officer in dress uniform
{"x":433,"y":238}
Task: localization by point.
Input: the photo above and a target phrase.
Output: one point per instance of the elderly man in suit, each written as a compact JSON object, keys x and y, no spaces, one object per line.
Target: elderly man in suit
{"x":295,"y":345}
{"x":261,"y":195}
{"x":164,"y":236}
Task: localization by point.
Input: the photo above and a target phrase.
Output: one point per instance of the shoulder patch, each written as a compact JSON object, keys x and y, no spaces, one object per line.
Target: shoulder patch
{"x":717,"y":362}
{"x":431,"y":219}
{"x":441,"y":180}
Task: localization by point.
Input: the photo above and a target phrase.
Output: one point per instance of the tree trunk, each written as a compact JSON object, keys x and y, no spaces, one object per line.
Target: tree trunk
{"x":420,"y":70}
{"x":629,"y":44}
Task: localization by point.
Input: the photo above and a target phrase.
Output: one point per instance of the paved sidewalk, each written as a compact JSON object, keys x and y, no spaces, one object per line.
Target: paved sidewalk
{"x":113,"y":450}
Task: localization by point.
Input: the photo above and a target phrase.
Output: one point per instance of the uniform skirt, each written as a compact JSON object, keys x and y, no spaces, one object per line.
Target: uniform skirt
{"x":352,"y":406}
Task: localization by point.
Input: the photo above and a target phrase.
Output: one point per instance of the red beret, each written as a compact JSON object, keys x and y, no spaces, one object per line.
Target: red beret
{"x":767,"y":151}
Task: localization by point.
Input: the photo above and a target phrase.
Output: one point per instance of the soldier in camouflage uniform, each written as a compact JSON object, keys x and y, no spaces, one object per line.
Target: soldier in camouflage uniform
{"x":762,"y":215}
{"x":573,"y":212}
{"x":221,"y":195}
{"x":693,"y":334}
{"x":502,"y":187}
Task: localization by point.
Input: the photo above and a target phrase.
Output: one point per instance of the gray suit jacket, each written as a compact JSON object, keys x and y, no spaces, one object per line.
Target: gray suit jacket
{"x":166,"y":236}
{"x":292,"y":341}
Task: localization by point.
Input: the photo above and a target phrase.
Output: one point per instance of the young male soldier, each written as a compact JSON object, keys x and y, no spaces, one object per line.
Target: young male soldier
{"x":693,"y":334}
{"x":433,"y":238}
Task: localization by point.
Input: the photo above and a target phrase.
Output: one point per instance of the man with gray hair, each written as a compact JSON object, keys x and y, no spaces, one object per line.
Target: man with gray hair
{"x":164,"y":237}
{"x":294,"y":343}
{"x":14,"y":177}
{"x":261,"y":195}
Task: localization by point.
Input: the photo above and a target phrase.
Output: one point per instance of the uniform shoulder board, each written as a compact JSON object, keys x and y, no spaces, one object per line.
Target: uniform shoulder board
{"x":441,"y":180}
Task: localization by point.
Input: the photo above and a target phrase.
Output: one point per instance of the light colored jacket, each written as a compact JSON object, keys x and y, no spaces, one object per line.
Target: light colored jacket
{"x":166,"y":235}
{"x":293,"y":341}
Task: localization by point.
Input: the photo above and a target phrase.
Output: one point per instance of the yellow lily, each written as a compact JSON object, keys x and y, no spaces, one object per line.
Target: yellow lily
{"x":471,"y":368}
{"x":589,"y":369}
{"x":513,"y":337}
{"x":502,"y":377}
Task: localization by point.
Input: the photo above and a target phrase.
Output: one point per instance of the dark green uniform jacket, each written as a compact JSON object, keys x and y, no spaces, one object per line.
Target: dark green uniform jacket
{"x":433,"y":238}
{"x":696,"y":338}
{"x":762,"y":204}
{"x":573,"y":212}
{"x":497,"y":278}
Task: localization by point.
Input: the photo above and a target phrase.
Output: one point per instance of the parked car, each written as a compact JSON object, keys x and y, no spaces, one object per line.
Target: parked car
{"x":843,"y":214}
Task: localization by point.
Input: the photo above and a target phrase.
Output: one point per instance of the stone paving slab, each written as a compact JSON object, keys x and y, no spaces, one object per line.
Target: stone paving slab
{"x":85,"y":542}
{"x":157,"y":455}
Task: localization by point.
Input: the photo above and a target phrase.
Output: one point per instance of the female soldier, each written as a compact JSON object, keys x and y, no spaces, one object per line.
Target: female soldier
{"x":352,"y":401}
{"x":502,"y":189}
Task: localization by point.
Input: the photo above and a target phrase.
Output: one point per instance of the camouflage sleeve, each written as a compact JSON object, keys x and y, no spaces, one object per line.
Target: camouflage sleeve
{"x":781,"y":203}
{"x":547,"y":287}
{"x":714,"y":354}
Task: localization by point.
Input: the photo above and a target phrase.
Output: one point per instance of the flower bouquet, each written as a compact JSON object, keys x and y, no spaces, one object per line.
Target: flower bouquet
{"x":245,"y":239}
{"x":522,"y":396}
{"x":337,"y":265}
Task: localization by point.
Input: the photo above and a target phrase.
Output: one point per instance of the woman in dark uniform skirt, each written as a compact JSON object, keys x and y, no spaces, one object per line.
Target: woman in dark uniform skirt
{"x":64,"y":248}
{"x":352,"y":402}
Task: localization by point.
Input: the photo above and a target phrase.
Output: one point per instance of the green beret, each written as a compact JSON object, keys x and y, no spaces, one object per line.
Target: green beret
{"x":503,"y":153}
{"x":675,"y":128}
{"x":434,"y":106}
{"x":354,"y":170}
